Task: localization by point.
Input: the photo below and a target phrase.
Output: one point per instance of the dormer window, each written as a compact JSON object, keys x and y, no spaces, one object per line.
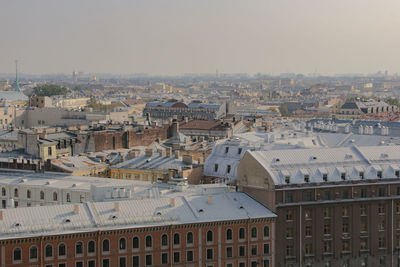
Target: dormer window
{"x":215,"y":167}
{"x":325,"y":177}
{"x":379,"y":174}
{"x":306,"y":178}
{"x":361,"y":175}
{"x":227,"y":149}
{"x":397,"y":173}
{"x":343,"y":176}
{"x":228,"y":168}
{"x":239,"y":150}
{"x":287,"y":179}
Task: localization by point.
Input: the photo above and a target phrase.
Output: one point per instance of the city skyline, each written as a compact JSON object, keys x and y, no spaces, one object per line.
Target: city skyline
{"x":181,"y":37}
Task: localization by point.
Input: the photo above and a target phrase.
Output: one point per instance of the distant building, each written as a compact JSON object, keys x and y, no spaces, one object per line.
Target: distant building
{"x":40,"y":101}
{"x":358,"y":110}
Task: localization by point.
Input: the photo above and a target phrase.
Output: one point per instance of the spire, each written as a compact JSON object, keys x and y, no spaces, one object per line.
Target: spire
{"x":16,"y":78}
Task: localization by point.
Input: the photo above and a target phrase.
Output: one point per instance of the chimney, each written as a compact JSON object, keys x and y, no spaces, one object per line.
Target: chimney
{"x":187,"y":159}
{"x":1,"y":215}
{"x":177,"y":154}
{"x":186,"y":119}
{"x":116,"y":206}
{"x":210,"y":200}
{"x":149,"y":152}
{"x":168,"y":152}
{"x":76,"y":209}
{"x":172,"y":202}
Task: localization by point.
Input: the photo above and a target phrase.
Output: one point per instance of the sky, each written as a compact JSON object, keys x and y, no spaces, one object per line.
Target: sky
{"x":173,"y":37}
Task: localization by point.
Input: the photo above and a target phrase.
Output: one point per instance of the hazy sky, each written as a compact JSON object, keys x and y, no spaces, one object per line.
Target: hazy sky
{"x":191,"y":36}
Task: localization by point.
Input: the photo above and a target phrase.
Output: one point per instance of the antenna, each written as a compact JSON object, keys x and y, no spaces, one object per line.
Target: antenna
{"x":16,"y":78}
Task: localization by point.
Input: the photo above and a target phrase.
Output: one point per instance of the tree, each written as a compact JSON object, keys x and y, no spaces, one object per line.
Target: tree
{"x":283,"y":109}
{"x":49,"y":90}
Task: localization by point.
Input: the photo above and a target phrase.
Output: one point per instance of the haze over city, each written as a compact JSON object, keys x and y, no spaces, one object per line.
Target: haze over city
{"x":179,"y":36}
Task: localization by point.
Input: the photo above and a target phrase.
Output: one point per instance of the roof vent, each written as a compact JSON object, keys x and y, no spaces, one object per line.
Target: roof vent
{"x":17,"y":224}
{"x":113,"y":217}
{"x":348,"y":156}
{"x":384,"y":155}
{"x":158,"y":213}
{"x":73,"y":185}
{"x":67,"y":220}
{"x":241,"y":207}
{"x":201,"y":210}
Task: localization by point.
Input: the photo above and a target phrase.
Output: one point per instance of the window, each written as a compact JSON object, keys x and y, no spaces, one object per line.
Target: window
{"x":242,"y":251}
{"x":308,"y":230}
{"x":3,"y":192}
{"x":164,"y":240}
{"x":209,"y":236}
{"x":77,"y":264}
{"x":229,"y":252}
{"x":177,"y":239}
{"x":254,"y":264}
{"x":289,"y":250}
{"x":209,"y":254}
{"x":106,"y":245}
{"x":177,"y":257}
{"x":239,"y":150}
{"x":346,"y":245}
{"x":326,"y":212}
{"x":289,"y":197}
{"x":325,"y":177}
{"x":28,"y":194}
{"x":33,"y":253}
{"x":91,"y":246}
{"x":381,"y":242}
{"x":215,"y":167}
{"x":306,"y":178}
{"x":229,"y":234}
{"x":363,"y":244}
{"x":17,"y":254}
{"x":345,"y":227}
{"x":363,"y":224}
{"x":227,"y":149}
{"x":68,"y":197}
{"x":122,"y":243}
{"x":266,"y":249}
{"x":189,"y":238}
{"x":289,"y":232}
{"x":343,"y":176}
{"x":242,"y":264}
{"x":122,"y":262}
{"x":135,"y":261}
{"x":41,"y":195}
{"x":361,"y":175}
{"x":327,"y":246}
{"x":266,"y":232}
{"x":363,"y":210}
{"x":228,"y":168}
{"x":254,"y":250}
{"x":307,"y":214}
{"x":266,"y":263}
{"x":363,"y":193}
{"x":189,"y":255}
{"x":79,"y":248}
{"x":254,"y":232}
{"x":62,"y":250}
{"x":16,"y":192}
{"x":381,"y":226}
{"x":55,"y":197}
{"x":308,"y":248}
{"x":327,"y":229}
{"x":49,"y":151}
{"x":106,"y":263}
{"x":327,"y":195}
{"x":48,"y":251}
{"x":65,"y":265}
{"x":149,"y":260}
{"x":289,"y":215}
{"x":381,"y":209}
{"x":345,"y":212}
{"x":287,"y":179}
{"x":381,"y":191}
{"x":242,"y":233}
{"x":397,"y":174}
{"x":149,"y":242}
{"x":135,"y":242}
{"x":164,"y":258}
{"x":345,"y":194}
{"x":308,"y":196}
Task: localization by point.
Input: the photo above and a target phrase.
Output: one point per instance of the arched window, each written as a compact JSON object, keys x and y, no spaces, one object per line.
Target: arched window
{"x":41,"y":195}
{"x":106,"y":245}
{"x":16,"y":192}
{"x":189,"y":238}
{"x":135,"y":242}
{"x":242,"y":233}
{"x":209,"y":236}
{"x":3,"y":191}
{"x":254,"y":232}
{"x":55,"y":197}
{"x":177,"y":239}
{"x":79,"y":248}
{"x":48,"y":251}
{"x":62,"y":250}
{"x":229,"y":234}
{"x":91,"y":246}
{"x":266,"y":231}
{"x":68,"y":197}
{"x":17,"y":254}
{"x":149,"y":241}
{"x":164,"y":240}
{"x":28,"y":194}
{"x":122,"y":243}
{"x":33,"y":253}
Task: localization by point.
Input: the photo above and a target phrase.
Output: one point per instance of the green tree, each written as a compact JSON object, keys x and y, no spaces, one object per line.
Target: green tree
{"x":49,"y":90}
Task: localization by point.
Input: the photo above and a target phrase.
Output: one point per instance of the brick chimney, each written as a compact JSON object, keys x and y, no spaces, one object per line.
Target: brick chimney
{"x":149,"y":152}
{"x":116,"y":206}
{"x":76,"y":209}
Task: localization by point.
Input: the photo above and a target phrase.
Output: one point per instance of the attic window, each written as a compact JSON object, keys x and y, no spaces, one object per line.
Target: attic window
{"x":379,"y":174}
{"x":239,"y":150}
{"x":397,"y":173}
{"x":227,"y":149}
{"x":287,"y":179}
{"x":361,"y":175}
{"x":325,"y":177}
{"x":306,"y":178}
{"x":215,"y":167}
{"x":343,"y":176}
{"x":228,"y":168}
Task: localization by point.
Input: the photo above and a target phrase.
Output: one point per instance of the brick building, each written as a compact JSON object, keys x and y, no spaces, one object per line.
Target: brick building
{"x":203,"y":226}
{"x":336,"y":206}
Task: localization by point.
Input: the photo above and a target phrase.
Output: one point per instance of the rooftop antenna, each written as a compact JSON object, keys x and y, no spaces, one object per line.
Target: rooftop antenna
{"x":16,"y":78}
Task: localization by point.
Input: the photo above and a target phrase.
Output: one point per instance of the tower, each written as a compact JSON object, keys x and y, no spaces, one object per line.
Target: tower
{"x":16,"y":88}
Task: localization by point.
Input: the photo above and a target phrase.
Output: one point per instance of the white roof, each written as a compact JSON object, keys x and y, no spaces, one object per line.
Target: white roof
{"x":191,"y":206}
